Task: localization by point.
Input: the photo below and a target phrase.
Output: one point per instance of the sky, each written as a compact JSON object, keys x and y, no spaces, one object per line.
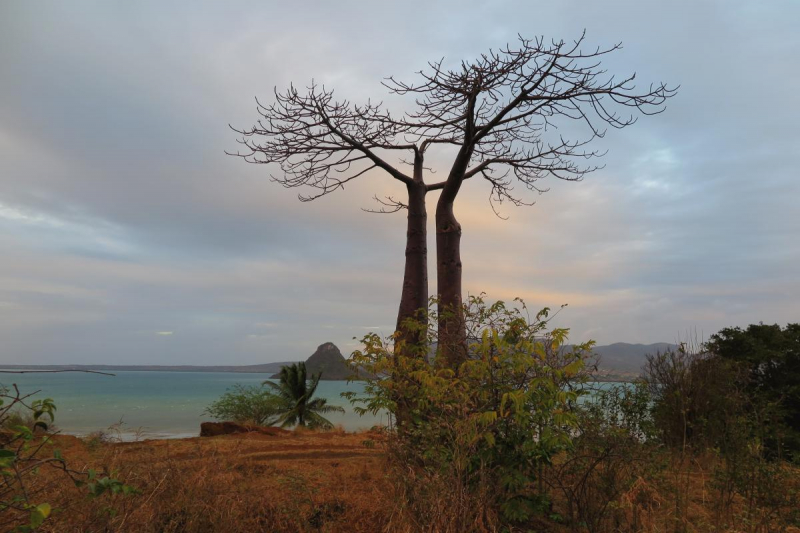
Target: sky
{"x":127,"y":236}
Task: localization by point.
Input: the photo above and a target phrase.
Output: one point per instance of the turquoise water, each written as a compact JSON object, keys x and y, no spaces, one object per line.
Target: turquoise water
{"x":156,"y":404}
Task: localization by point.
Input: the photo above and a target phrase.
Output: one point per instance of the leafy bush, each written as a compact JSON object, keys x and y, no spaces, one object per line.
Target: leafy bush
{"x":769,"y":358}
{"x":253,"y":405}
{"x":24,"y":437}
{"x":697,"y":397}
{"x":613,"y":450}
{"x":473,"y":441}
{"x":289,"y":402}
{"x":19,"y":450}
{"x":727,"y":399}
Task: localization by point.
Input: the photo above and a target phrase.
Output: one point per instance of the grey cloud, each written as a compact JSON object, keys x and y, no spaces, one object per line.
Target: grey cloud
{"x":121,"y":217}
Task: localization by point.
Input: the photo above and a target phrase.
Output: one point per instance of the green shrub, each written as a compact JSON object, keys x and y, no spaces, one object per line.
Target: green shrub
{"x":289,"y":402}
{"x":252,"y":405}
{"x":613,"y":449}
{"x":26,"y":448}
{"x":769,"y":358}
{"x":473,"y":441}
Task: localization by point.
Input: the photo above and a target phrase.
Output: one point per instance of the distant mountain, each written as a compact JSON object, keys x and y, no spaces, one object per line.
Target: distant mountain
{"x":264,"y":368}
{"x":328,"y":360}
{"x":620,"y":360}
{"x":620,"y":357}
{"x":625,"y":357}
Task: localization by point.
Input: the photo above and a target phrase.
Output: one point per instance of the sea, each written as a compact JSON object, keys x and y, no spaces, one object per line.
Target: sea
{"x":137,"y":405}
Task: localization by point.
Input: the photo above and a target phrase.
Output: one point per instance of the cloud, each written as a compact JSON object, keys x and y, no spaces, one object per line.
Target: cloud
{"x":120,"y":212}
{"x":164,"y":333}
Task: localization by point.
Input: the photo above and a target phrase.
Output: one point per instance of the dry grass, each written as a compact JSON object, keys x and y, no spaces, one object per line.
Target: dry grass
{"x":683,"y":496}
{"x":307,"y":481}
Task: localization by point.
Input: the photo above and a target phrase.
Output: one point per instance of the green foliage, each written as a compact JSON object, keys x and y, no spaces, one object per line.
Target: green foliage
{"x":613,"y":448}
{"x":697,"y":398}
{"x":770,"y":358}
{"x":24,"y":437}
{"x":289,"y":402}
{"x":623,"y":409}
{"x":98,"y":486}
{"x":487,"y":427}
{"x":730,"y":398}
{"x":254,"y":405}
{"x":296,"y":398}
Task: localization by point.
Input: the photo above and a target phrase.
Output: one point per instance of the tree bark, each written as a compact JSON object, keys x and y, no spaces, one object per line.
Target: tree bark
{"x":452,"y":330}
{"x":411,"y":338}
{"x":414,"y":298}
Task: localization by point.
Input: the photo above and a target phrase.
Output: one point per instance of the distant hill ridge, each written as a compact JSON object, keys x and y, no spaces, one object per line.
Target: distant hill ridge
{"x":329,"y":361}
{"x":620,"y":356}
{"x":264,"y":368}
{"x":626,"y":357}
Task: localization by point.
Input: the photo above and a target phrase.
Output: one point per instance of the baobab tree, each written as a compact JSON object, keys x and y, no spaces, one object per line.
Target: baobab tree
{"x":501,"y":111}
{"x":321,"y":144}
{"x":498,"y":113}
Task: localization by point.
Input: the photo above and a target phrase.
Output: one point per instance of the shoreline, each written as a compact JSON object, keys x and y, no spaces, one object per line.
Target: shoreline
{"x":130,"y":436}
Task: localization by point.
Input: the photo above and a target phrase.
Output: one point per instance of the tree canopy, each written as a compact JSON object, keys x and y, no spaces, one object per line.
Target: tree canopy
{"x":499,"y":112}
{"x":771,"y":356}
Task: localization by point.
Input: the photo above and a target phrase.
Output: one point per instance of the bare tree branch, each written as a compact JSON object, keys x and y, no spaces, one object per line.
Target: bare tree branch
{"x":322,"y":143}
{"x":390,"y":205}
{"x":501,"y":107}
{"x":498,"y":109}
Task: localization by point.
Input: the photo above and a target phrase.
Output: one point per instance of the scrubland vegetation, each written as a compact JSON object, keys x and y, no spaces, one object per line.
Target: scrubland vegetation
{"x":298,"y":481}
{"x":290,"y":402}
{"x":518,"y":438}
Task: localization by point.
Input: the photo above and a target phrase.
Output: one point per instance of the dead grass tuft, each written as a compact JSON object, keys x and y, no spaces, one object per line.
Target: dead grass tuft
{"x":333,"y":482}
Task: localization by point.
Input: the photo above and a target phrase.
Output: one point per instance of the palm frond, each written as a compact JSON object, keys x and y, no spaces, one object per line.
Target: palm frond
{"x":320,"y":405}
{"x":316,"y":421}
{"x":295,"y":391}
{"x":329,"y":409}
{"x":312,"y":386}
{"x":282,"y":390}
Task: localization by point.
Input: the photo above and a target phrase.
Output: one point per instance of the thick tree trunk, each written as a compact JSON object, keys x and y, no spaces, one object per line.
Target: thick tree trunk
{"x":452,"y":332}
{"x":414,"y":297}
{"x":411,"y":340}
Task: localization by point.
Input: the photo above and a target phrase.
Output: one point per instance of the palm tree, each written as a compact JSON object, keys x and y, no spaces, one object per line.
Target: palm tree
{"x":296,"y":393}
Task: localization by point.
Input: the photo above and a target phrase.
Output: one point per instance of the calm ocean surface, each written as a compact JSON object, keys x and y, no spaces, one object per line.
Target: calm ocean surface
{"x":162,"y":404}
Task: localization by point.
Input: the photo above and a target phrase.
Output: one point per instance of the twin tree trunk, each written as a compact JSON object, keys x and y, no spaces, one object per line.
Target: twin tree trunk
{"x":414,"y":298}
